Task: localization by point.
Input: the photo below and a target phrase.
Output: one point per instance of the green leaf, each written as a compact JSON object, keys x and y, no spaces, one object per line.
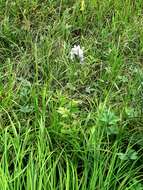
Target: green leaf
{"x":108,"y":118}
{"x":123,"y":156}
{"x":63,"y":111}
{"x":132,"y":154}
{"x":113,"y":130}
{"x":26,"y":108}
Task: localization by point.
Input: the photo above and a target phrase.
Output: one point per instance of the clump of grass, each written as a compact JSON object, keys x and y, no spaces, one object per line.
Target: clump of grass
{"x":64,"y":125}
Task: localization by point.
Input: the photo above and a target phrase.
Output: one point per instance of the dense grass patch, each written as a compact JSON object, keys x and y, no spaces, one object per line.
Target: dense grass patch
{"x":66,"y":125}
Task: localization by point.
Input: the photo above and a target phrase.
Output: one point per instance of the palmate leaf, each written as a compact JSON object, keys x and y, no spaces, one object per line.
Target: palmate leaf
{"x":108,"y":118}
{"x":123,"y":156}
{"x":63,"y":111}
{"x":113,"y":130}
{"x":26,"y":109}
{"x":131,"y":154}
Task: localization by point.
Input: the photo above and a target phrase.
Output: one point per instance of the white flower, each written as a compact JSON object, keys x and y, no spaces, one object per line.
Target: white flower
{"x":76,"y":51}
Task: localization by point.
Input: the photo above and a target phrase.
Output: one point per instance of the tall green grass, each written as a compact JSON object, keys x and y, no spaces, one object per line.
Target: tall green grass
{"x":64,"y":125}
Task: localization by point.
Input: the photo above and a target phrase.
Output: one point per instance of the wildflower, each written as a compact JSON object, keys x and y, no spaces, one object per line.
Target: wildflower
{"x":76,"y":51}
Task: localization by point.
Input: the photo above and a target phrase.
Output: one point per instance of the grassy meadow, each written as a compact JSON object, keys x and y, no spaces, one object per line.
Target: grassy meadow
{"x":66,"y":125}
